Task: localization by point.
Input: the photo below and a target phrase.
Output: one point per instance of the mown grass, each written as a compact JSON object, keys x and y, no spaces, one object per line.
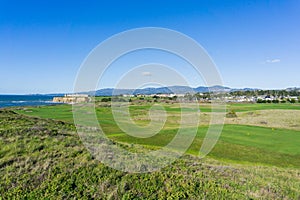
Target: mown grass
{"x":238,"y":143}
{"x":45,"y":159}
{"x":61,"y":112}
{"x":64,"y":111}
{"x":242,"y":107}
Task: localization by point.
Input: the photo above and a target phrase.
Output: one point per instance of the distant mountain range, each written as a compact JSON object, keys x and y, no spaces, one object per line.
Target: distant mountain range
{"x":164,"y":90}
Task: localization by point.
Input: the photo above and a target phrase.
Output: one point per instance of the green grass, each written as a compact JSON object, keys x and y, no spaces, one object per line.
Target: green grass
{"x":45,"y":159}
{"x":42,"y":155}
{"x":240,"y":107}
{"x":61,"y":112}
{"x":264,"y":145}
{"x":64,"y":112}
{"x":238,"y":143}
{"x":277,"y":140}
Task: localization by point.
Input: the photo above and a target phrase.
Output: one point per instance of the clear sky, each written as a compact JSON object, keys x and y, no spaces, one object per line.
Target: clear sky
{"x":43,"y":43}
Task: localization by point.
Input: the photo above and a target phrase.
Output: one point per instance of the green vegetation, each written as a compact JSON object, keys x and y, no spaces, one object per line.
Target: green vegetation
{"x":64,"y":112}
{"x":276,"y":101}
{"x":61,"y":112}
{"x":265,"y":145}
{"x":238,"y":143}
{"x":41,"y":156}
{"x":251,"y":107}
{"x":280,"y":93}
{"x":231,"y":114}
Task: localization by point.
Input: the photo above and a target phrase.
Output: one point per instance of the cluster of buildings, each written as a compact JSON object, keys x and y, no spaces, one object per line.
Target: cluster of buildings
{"x":154,"y":95}
{"x":249,"y":99}
{"x":72,"y":98}
{"x":225,"y":97}
{"x":240,"y":99}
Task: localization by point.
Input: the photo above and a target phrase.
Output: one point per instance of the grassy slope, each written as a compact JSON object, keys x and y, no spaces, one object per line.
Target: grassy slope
{"x":41,"y":158}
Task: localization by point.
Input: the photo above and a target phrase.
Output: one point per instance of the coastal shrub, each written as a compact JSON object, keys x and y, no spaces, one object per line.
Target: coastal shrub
{"x":231,"y":114}
{"x":105,"y":99}
{"x":259,"y":101}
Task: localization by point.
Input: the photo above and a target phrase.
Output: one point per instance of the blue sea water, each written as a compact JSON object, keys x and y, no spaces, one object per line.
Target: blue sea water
{"x":25,"y":100}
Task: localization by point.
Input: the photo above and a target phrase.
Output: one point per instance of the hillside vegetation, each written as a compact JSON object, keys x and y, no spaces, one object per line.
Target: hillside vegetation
{"x":41,"y":156}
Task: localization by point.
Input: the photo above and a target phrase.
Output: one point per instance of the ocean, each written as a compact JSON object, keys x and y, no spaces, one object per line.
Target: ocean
{"x":25,"y":100}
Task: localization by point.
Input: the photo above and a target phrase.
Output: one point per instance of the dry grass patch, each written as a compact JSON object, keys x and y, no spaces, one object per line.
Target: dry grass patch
{"x":289,"y":119}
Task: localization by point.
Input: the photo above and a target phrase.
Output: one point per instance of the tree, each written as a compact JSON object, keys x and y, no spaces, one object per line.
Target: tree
{"x":105,"y":99}
{"x":259,"y":101}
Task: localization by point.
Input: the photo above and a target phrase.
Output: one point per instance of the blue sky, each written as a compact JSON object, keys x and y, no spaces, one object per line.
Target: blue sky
{"x":43,"y":43}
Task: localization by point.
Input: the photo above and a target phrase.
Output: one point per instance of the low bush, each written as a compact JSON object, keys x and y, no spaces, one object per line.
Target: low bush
{"x":231,"y":114}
